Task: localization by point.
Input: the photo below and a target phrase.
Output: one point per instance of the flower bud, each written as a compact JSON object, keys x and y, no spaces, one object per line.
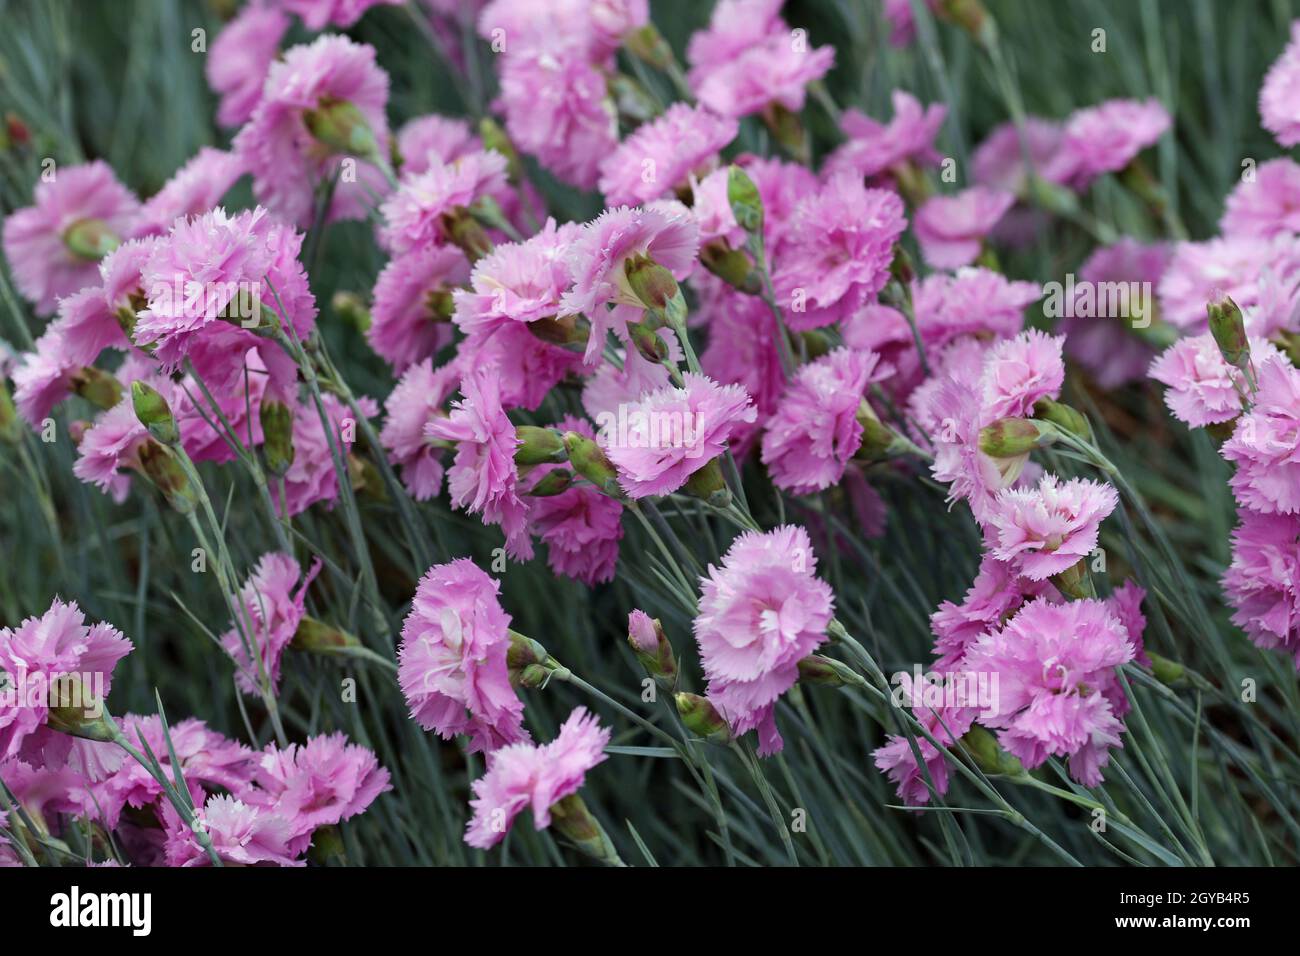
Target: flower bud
{"x":651,"y":347}
{"x":901,"y":269}
{"x":708,"y":485}
{"x":1229,"y":330}
{"x":342,"y":127}
{"x":317,"y":637}
{"x":816,"y":669}
{"x":555,"y":482}
{"x":154,"y":413}
{"x":561,"y":330}
{"x":160,"y":466}
{"x":701,"y":718}
{"x":538,"y":446}
{"x":1064,"y":417}
{"x":75,"y":709}
{"x":1074,"y":581}
{"x":90,"y":239}
{"x":96,"y":386}
{"x":1014,"y":437}
{"x":1165,"y":670}
{"x":648,"y":641}
{"x":277,"y":436}
{"x":523,"y":654}
{"x":648,"y":45}
{"x":495,"y":138}
{"x":467,"y":234}
{"x":572,"y":819}
{"x":11,"y":427}
{"x":746,"y":201}
{"x":351,"y":308}
{"x":983,"y":747}
{"x":652,"y":284}
{"x":589,"y":460}
{"x":732,"y":266}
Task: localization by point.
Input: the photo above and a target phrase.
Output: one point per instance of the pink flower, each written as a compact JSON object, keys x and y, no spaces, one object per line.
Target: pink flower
{"x":193,"y":190}
{"x":1047,"y":529}
{"x":815,"y":430}
{"x":1279,"y":97}
{"x":268,"y":615}
{"x":641,"y":631}
{"x":761,"y":612}
{"x":527,"y":367}
{"x":1203,"y":388}
{"x":590,"y":29}
{"x":896,"y":758}
{"x":1106,"y":138}
{"x":318,"y":14}
{"x":405,"y":328}
{"x":287,"y":163}
{"x":483,"y":479}
{"x":1095,"y":336}
{"x":951,"y":228}
{"x":1125,"y":602}
{"x":1020,"y":371}
{"x":1265,"y":445}
{"x":661,"y":155}
{"x":523,"y":776}
{"x":41,"y":649}
{"x":610,"y":387}
{"x":452,"y":660}
{"x":598,"y":255}
{"x":240,"y":834}
{"x":997,"y":593}
{"x":207,"y":282}
{"x":841,"y":246}
{"x":1267,"y":205}
{"x":712,"y":210}
{"x":999,"y":161}
{"x":319,"y":784}
{"x":580,"y":526}
{"x":663,"y":439}
{"x":782,"y":186}
{"x":557,"y":108}
{"x":417,"y":398}
{"x":748,"y":58}
{"x":971,"y":475}
{"x":414,"y":214}
{"x":312,"y":477}
{"x":1057,"y":690}
{"x":80,"y":203}
{"x":1263,"y":581}
{"x":1201,"y":271}
{"x":109,"y":446}
{"x":240,"y":59}
{"x":518,"y":281}
{"x":427,"y":139}
{"x":45,"y":377}
{"x":874,"y":149}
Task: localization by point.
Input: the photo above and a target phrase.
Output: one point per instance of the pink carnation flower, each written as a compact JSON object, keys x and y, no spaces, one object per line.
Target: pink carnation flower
{"x":194,"y":189}
{"x":524,"y":776}
{"x":761,"y":612}
{"x":86,"y":197}
{"x":590,"y":29}
{"x":557,"y":108}
{"x":1047,"y":529}
{"x":951,"y":228}
{"x":268,"y":615}
{"x":1203,"y":388}
{"x":1020,"y":371}
{"x":1263,"y":580}
{"x":661,"y":155}
{"x":597,"y":257}
{"x":240,"y":58}
{"x":518,"y":281}
{"x":242,"y":835}
{"x":1106,"y":138}
{"x":996,"y":594}
{"x":417,"y":398}
{"x":999,"y":161}
{"x":527,"y":367}
{"x":712,"y":210}
{"x":1279,"y":97}
{"x":321,"y":783}
{"x":41,"y":649}
{"x":581,"y":527}
{"x":1095,"y":335}
{"x":414,"y":215}
{"x":318,"y":14}
{"x":452,"y":660}
{"x":483,"y":479}
{"x":660,"y":441}
{"x":748,"y":58}
{"x":312,"y":477}
{"x":1057,"y":690}
{"x":1201,"y":271}
{"x":404,"y":327}
{"x":897,"y":759}
{"x":1265,"y":445}
{"x":1267,"y":205}
{"x":782,"y":186}
{"x":841,"y":247}
{"x":815,"y":430}
{"x":874,"y":149}
{"x":428,"y":139}
{"x":287,"y":163}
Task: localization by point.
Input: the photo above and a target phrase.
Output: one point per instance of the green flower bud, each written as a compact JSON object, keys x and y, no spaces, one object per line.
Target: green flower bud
{"x":538,"y":446}
{"x":1064,"y":417}
{"x":563,"y":330}
{"x":816,"y":669}
{"x":650,"y":644}
{"x":900,"y":267}
{"x":1229,"y":330}
{"x":351,"y":308}
{"x":467,"y":234}
{"x":494,"y":137}
{"x":96,"y":386}
{"x":983,"y":747}
{"x":1014,"y":437}
{"x":701,"y":718}
{"x":555,"y":482}
{"x":76,"y":710}
{"x":589,"y":460}
{"x":525,"y":660}
{"x":342,"y":127}
{"x":708,"y":485}
{"x":90,"y":239}
{"x":575,"y":822}
{"x":154,"y":413}
{"x":161,"y":467}
{"x":648,"y":45}
{"x":1074,"y":581}
{"x":746,"y":202}
{"x":317,"y":637}
{"x":732,"y":266}
{"x":277,"y":436}
{"x":652,"y":284}
{"x":651,"y":347}
{"x":1165,"y":670}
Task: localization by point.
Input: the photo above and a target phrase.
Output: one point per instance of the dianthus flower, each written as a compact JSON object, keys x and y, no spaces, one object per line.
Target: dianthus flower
{"x":1045,"y":530}
{"x":1265,"y":445}
{"x":661,"y":155}
{"x":951,"y":228}
{"x":412,"y":304}
{"x":267,"y":614}
{"x":418,"y":396}
{"x":1263,"y":580}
